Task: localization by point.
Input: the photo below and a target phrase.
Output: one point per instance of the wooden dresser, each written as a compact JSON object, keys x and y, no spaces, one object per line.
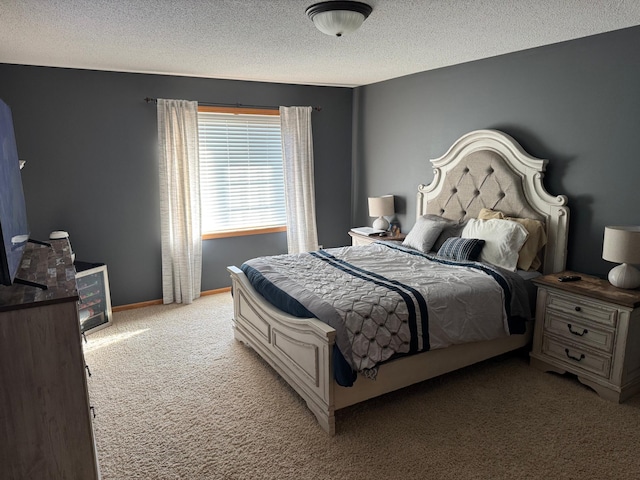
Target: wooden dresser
{"x":46,"y":429}
{"x":591,"y":329}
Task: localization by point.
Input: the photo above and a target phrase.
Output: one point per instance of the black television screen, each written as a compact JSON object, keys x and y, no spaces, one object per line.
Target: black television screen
{"x":13,"y":213}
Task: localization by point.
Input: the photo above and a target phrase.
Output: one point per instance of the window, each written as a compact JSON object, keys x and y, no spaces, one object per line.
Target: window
{"x":241,"y":176}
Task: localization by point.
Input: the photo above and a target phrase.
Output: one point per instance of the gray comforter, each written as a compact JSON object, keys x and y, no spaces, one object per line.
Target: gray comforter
{"x":384,"y":300}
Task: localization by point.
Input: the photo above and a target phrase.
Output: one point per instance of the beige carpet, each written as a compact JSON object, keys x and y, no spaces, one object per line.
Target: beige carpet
{"x":177,"y":397}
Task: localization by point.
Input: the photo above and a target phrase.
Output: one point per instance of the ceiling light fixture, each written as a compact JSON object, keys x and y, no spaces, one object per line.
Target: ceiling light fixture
{"x":338,"y":18}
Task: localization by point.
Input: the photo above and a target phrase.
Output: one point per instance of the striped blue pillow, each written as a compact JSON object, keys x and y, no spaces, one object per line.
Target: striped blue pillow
{"x":461,"y":249}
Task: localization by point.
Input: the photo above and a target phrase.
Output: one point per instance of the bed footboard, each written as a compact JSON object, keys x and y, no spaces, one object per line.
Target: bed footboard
{"x":300,"y":350}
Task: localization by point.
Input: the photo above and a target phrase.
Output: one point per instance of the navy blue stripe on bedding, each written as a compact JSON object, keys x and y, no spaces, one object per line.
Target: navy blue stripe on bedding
{"x":278,"y":298}
{"x":396,"y":287}
{"x":342,"y":371}
{"x":477,"y":265}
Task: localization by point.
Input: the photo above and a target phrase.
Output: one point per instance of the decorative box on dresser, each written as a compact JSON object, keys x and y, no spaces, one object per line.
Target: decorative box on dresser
{"x":591,"y":329}
{"x":46,"y":429}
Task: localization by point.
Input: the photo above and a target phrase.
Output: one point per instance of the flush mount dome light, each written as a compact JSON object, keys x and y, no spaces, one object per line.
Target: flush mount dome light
{"x":338,"y":18}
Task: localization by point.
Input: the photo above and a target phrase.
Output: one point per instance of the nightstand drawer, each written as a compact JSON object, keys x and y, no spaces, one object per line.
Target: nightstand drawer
{"x":581,"y":308}
{"x":357,"y":240}
{"x":576,"y":357}
{"x":580,"y":332}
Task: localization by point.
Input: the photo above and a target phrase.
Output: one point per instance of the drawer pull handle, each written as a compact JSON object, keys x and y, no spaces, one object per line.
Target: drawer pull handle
{"x":577,"y":309}
{"x":577,"y":359}
{"x":576,"y":332}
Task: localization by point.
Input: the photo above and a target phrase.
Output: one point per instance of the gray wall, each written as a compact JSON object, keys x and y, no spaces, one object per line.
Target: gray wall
{"x":576,"y":103}
{"x":90,"y":141}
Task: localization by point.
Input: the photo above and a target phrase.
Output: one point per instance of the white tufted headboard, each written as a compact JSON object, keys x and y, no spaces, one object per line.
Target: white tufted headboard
{"x":489,"y":169}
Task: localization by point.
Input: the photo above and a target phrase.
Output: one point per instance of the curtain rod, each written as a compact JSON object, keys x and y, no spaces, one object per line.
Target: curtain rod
{"x":236,"y":105}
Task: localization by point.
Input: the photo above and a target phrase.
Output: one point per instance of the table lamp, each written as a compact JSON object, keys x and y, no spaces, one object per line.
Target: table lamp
{"x":381,"y":207}
{"x":622,"y":245}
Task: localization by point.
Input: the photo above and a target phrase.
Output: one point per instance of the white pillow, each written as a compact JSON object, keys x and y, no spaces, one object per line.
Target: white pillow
{"x":503,"y":240}
{"x":424,"y":234}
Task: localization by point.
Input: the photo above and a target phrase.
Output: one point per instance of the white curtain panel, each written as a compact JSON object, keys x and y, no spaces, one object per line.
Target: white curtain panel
{"x":297,"y":156}
{"x":180,"y":224}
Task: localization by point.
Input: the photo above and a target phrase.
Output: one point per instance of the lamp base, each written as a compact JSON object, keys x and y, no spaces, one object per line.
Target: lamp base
{"x":624,"y":276}
{"x":381,"y":223}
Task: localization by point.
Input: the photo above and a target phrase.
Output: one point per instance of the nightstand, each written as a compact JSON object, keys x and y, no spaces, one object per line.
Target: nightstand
{"x":591,"y":329}
{"x":357,"y":239}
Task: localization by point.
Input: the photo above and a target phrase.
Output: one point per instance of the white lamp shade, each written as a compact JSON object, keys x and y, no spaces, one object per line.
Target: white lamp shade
{"x":338,"y":22}
{"x":381,"y":206}
{"x":622,"y":245}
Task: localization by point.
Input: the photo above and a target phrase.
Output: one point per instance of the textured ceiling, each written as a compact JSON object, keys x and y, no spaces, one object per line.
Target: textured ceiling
{"x":274,"y":41}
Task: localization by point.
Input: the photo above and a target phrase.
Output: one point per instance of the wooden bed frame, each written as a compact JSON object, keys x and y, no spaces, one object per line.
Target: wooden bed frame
{"x":484,"y":168}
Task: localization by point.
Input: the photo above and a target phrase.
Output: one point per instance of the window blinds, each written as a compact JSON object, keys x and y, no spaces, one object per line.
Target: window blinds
{"x":241,"y":176}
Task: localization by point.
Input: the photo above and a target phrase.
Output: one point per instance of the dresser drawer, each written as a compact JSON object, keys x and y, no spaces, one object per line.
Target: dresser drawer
{"x":579,"y":331}
{"x":580,"y":308}
{"x":577,"y":358}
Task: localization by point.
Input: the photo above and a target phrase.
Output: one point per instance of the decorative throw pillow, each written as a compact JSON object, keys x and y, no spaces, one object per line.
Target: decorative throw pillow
{"x":504,"y":239}
{"x":488,"y":214}
{"x":424,"y":233}
{"x":451,"y":229}
{"x":461,"y":249}
{"x":537,"y":238}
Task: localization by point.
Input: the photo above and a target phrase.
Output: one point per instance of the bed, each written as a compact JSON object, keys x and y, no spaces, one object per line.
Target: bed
{"x":484,"y":170}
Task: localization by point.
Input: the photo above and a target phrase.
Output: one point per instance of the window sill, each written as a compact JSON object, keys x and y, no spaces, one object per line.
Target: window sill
{"x":242,"y":233}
